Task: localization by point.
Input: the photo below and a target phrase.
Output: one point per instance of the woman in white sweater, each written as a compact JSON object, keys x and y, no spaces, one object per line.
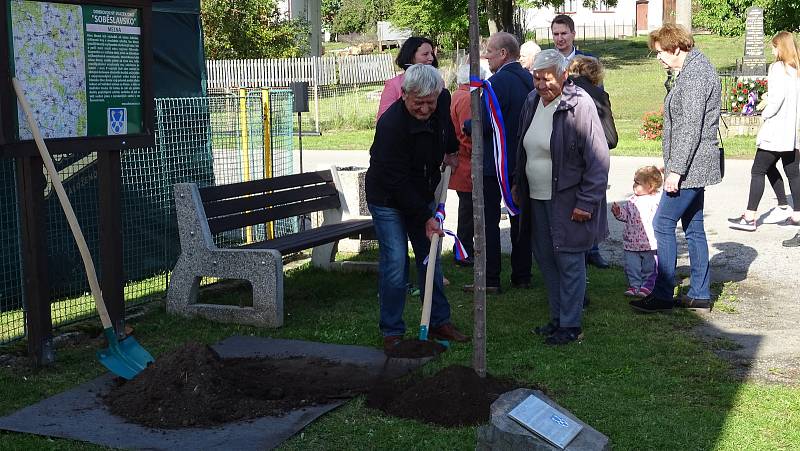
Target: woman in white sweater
{"x":778,"y":138}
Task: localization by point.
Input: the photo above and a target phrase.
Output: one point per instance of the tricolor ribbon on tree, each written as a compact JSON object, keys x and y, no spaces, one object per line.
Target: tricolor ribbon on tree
{"x":499,"y":141}
{"x":458,"y":248}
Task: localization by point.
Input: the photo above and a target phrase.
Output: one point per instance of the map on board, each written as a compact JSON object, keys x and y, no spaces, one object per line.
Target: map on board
{"x":80,"y":68}
{"x":49,"y":62}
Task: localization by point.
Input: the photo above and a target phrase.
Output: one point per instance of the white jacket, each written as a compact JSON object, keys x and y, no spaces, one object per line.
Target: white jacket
{"x":779,"y":133}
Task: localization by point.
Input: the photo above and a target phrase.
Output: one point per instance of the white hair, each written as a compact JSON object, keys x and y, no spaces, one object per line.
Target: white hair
{"x":550,"y":59}
{"x":529,"y":47}
{"x":422,"y":80}
{"x":462,"y":76}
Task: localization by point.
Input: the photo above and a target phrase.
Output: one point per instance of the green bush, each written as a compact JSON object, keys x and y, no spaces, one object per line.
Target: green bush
{"x":237,"y":29}
{"x":652,"y":125}
{"x":727,"y":17}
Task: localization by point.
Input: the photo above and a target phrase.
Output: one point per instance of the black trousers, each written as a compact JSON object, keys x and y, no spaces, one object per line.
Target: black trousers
{"x":520,"y":248}
{"x":466,"y":224}
{"x":765,"y":163}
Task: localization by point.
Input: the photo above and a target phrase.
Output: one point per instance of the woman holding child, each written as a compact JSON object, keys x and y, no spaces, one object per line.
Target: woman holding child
{"x":691,"y":162}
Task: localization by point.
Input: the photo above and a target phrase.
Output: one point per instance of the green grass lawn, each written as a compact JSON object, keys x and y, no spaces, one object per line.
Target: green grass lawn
{"x":642,"y":380}
{"x":634,"y":80}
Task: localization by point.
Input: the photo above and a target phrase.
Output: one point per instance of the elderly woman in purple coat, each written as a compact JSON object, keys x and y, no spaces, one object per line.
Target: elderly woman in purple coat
{"x":560,"y":184}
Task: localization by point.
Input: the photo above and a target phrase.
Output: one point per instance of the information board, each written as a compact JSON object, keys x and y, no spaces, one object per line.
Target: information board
{"x":80,"y":66}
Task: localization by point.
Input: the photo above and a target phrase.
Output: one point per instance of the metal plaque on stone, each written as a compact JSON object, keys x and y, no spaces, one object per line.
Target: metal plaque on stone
{"x":754,"y":61}
{"x":545,"y":421}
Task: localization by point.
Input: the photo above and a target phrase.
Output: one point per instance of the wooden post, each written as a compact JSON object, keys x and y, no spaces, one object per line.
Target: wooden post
{"x":479,"y":305}
{"x":109,"y":176}
{"x":33,"y":221}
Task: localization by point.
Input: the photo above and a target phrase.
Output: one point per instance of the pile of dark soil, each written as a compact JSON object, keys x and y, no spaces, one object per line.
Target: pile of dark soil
{"x":193,"y":387}
{"x":455,"y":396}
{"x":415,"y":349}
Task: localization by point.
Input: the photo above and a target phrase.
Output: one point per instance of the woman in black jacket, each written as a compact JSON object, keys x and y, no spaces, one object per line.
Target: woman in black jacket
{"x":587,"y":72}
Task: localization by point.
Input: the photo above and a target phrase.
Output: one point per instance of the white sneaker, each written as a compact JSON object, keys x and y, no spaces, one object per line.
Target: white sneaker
{"x":777,"y":214}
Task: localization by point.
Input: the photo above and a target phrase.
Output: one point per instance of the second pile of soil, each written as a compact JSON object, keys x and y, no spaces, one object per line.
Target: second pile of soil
{"x":193,"y":387}
{"x":455,"y":396}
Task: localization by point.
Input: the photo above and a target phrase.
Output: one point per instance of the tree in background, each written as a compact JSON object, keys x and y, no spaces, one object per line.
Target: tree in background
{"x":359,"y":16}
{"x":251,"y":29}
{"x":444,"y":22}
{"x":727,"y":17}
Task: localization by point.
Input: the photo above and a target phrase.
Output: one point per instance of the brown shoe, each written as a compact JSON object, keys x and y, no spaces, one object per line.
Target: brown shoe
{"x":447,"y":332}
{"x":390,"y":342}
{"x":470,"y":288}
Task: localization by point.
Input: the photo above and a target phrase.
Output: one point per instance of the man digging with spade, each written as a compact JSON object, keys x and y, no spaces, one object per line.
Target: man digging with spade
{"x":412,"y":139}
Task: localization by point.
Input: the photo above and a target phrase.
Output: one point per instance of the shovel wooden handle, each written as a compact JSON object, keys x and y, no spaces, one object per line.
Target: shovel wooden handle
{"x":66,"y":206}
{"x":433,"y":255}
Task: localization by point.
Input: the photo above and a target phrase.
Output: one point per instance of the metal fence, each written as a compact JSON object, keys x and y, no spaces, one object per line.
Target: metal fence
{"x":207,"y":140}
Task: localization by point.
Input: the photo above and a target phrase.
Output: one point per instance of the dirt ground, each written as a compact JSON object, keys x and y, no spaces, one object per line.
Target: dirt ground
{"x":193,"y":387}
{"x":455,"y":396}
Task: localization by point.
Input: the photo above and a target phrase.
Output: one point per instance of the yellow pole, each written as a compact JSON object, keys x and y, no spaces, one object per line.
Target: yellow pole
{"x":245,"y":135}
{"x":267,"y":149}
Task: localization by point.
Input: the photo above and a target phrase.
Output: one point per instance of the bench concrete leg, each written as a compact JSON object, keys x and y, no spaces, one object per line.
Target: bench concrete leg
{"x":323,"y":256}
{"x":263,"y":269}
{"x":184,"y":284}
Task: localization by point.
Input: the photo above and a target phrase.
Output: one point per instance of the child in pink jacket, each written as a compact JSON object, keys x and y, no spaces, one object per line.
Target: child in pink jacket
{"x":638,"y":237}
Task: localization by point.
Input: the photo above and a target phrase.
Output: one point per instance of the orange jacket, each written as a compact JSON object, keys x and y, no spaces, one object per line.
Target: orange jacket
{"x":460,"y":111}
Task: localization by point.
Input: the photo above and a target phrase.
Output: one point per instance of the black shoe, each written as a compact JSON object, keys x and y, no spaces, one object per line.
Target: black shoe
{"x":792,"y":242}
{"x":597,"y":260}
{"x":546,"y":330}
{"x":467,"y":263}
{"x":521,"y":285}
{"x":564,"y":335}
{"x":649,"y":304}
{"x":694,"y":304}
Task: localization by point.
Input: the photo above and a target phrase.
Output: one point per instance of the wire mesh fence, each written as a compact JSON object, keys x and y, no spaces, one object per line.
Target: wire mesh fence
{"x":206,"y":140}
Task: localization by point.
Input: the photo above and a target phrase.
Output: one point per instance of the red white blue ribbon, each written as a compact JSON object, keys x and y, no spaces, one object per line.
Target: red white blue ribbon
{"x":458,"y":248}
{"x":499,"y":141}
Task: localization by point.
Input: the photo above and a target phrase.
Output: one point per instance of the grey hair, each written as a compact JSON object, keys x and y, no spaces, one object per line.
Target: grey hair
{"x":462,"y":76}
{"x":529,"y":47}
{"x":422,"y":80}
{"x":550,"y":59}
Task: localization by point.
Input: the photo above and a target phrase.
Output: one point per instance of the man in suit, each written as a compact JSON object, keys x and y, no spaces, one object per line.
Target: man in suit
{"x":511,"y":83}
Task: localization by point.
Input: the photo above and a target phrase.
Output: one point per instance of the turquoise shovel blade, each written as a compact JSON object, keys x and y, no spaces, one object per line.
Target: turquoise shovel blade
{"x":125,"y":358}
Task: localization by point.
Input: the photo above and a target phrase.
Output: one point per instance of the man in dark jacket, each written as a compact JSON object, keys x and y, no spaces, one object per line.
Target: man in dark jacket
{"x":412,"y":138}
{"x":511,"y":83}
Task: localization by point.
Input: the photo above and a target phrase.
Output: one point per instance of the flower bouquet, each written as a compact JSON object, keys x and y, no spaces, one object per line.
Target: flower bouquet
{"x":745,"y":95}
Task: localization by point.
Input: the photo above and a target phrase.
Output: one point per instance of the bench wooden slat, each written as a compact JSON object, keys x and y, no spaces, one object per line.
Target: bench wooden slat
{"x":238,"y":221}
{"x":215,"y":193}
{"x":261,"y":201}
{"x":314,"y":237}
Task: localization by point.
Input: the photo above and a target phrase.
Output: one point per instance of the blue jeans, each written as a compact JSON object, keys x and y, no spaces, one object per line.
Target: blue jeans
{"x":393,"y":236}
{"x":687,"y":206}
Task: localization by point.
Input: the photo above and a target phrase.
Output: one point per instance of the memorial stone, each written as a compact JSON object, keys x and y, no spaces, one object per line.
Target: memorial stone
{"x":754,"y":62}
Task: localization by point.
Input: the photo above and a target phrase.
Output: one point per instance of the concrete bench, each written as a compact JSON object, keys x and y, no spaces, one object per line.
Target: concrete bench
{"x":203,"y":213}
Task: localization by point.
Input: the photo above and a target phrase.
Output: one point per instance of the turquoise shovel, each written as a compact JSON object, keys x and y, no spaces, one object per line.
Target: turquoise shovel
{"x":125,"y":358}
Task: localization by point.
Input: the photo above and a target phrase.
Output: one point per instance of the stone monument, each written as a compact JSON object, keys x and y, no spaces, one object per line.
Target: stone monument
{"x":504,"y":434}
{"x":754,"y":61}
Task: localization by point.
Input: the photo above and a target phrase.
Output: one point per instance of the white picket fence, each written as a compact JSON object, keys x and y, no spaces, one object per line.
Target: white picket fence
{"x":316,"y":71}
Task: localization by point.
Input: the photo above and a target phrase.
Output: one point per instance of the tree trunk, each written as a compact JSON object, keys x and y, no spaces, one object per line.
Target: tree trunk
{"x":479,"y":305}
